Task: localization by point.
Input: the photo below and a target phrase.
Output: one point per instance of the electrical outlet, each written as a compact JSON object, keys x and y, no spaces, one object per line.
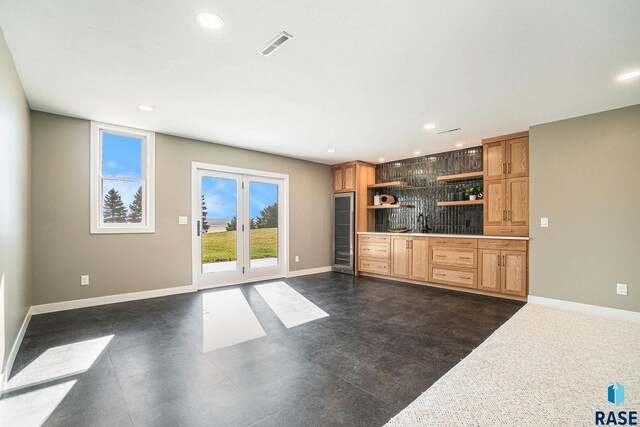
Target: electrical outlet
{"x":621,"y":289}
{"x":544,"y":222}
{"x":182,"y":220}
{"x":84,"y":280}
{"x":297,"y":258}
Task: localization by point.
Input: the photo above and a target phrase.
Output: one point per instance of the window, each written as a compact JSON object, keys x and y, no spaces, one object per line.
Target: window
{"x":122,"y":179}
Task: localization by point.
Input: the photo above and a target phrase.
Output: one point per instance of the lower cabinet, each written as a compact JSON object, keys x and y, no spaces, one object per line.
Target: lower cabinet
{"x":409,"y":257}
{"x":489,"y":265}
{"x":503,"y":271}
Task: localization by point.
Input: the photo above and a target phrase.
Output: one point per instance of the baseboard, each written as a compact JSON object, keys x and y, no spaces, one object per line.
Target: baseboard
{"x":14,"y":350}
{"x":308,"y":271}
{"x":597,"y":310}
{"x":110,"y":299}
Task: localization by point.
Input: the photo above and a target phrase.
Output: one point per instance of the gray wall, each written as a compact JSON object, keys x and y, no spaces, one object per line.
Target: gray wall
{"x":15,"y":291}
{"x":585,"y":177}
{"x":63,"y":248}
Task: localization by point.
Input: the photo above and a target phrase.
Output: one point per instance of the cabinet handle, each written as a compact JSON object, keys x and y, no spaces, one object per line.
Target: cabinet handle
{"x":440,"y":256}
{"x":382,"y":250}
{"x":509,"y":215}
{"x":503,"y":168}
{"x":462,"y":277}
{"x":464,"y":257}
{"x":501,"y":244}
{"x":464,"y":243}
{"x":504,"y":215}
{"x":504,"y":259}
{"x":439,"y":274}
{"x":504,"y":230}
{"x":498,"y":260}
{"x":440,"y":241}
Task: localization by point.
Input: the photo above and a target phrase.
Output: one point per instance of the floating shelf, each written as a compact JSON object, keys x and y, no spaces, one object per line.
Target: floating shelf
{"x":462,"y":203}
{"x":388,"y":184}
{"x":388,"y":206}
{"x":461,"y":176}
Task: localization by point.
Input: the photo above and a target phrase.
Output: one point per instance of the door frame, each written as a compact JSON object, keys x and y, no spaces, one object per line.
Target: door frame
{"x":196,"y":204}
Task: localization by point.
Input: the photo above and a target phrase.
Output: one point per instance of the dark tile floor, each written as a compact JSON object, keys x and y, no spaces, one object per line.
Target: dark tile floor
{"x":382,"y":345}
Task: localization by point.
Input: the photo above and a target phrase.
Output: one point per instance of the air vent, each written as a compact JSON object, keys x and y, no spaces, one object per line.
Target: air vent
{"x":276,"y":43}
{"x":447,"y":131}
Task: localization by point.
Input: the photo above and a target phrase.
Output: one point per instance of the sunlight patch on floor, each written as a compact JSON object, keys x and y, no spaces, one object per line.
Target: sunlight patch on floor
{"x":60,"y":362}
{"x":291,"y":308}
{"x":33,"y":408}
{"x":227,"y":320}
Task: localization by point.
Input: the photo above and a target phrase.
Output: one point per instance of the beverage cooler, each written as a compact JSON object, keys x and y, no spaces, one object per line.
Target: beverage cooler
{"x":344,"y":233}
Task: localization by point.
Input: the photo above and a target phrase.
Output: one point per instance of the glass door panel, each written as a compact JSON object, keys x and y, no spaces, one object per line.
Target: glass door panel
{"x":263,"y":217}
{"x":220,"y":248}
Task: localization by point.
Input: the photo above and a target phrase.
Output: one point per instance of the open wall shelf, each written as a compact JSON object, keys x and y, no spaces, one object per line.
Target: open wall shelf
{"x":462,"y":203}
{"x":461,"y":176}
{"x":388,"y":184}
{"x":397,"y":206}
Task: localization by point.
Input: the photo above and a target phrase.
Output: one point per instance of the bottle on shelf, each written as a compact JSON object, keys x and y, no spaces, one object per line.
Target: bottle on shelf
{"x":376,"y":199}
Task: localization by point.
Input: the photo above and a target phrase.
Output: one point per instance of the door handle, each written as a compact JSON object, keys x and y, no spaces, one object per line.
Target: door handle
{"x":504,"y":215}
{"x":198,"y":228}
{"x":503,"y":259}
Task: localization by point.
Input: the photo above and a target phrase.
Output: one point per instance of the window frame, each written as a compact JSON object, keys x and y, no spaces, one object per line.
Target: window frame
{"x":147,"y":177}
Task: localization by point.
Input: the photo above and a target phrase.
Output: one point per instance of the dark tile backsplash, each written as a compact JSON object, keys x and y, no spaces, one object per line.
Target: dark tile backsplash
{"x":424,"y":191}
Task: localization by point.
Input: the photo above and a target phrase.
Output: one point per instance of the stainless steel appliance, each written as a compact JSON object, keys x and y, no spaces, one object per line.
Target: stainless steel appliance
{"x":343,"y":233}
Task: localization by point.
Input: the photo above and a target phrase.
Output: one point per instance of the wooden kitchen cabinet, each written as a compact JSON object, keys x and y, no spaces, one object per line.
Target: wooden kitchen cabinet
{"x":409,"y":257}
{"x":344,"y":178}
{"x":506,"y":185}
{"x":506,"y":207}
{"x":506,"y":156}
{"x":503,"y":271}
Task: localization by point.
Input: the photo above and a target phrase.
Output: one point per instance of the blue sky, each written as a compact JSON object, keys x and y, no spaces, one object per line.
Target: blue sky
{"x":221,"y":197}
{"x":121,"y":158}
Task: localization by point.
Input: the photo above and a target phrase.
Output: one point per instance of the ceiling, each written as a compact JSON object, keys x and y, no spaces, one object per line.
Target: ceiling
{"x":362,"y":76}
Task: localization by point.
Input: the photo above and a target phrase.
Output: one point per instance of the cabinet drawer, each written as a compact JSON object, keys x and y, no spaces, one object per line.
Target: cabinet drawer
{"x":453,"y":242}
{"x":449,"y":276}
{"x":456,"y":257}
{"x":375,"y":250}
{"x":513,"y":245}
{"x":372,"y":265}
{"x":374,"y":238}
{"x":507,"y":230}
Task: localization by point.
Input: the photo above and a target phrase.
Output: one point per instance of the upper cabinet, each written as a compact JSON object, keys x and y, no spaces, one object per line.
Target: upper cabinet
{"x":506,"y":185}
{"x":506,"y":156}
{"x":344,"y":178}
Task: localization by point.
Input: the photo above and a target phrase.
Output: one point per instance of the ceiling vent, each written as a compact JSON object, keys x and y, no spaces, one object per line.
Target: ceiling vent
{"x":449,"y":130}
{"x":276,"y":43}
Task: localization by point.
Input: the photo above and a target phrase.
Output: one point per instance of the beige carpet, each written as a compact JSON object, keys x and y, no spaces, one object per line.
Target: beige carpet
{"x":544,"y":367}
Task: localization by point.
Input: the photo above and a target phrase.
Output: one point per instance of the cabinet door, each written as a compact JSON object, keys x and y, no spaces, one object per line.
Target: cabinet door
{"x":517,"y":201}
{"x":419,"y":255}
{"x":514,"y":273}
{"x":494,"y":160}
{"x":517,"y":157}
{"x":400,"y":256}
{"x":489,"y":270}
{"x":494,"y":203}
{"x":338,"y":179}
{"x":349,"y":178}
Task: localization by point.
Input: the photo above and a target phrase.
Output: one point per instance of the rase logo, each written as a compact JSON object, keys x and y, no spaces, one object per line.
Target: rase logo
{"x":615,"y":396}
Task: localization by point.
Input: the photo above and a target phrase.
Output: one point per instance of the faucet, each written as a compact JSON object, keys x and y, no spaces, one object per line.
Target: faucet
{"x":422,"y":222}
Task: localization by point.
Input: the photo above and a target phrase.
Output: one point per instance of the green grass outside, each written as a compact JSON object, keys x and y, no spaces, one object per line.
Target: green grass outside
{"x":222,"y":246}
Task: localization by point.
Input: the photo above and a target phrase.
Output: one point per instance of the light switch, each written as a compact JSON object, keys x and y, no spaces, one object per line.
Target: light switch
{"x":182,"y":220}
{"x":544,"y":222}
{"x":621,"y":289}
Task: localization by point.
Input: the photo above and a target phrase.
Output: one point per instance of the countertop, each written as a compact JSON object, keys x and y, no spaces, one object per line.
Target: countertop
{"x":462,"y":236}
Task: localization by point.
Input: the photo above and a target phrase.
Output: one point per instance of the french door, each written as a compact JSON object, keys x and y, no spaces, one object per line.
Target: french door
{"x":239,"y":226}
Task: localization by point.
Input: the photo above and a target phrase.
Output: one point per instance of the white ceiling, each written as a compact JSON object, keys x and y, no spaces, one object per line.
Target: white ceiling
{"x":359,"y":76}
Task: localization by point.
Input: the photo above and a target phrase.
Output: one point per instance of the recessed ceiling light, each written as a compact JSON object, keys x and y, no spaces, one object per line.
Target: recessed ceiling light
{"x":331,"y":150}
{"x":416,"y":153}
{"x":209,"y":20}
{"x":145,"y":108}
{"x":429,"y":126}
{"x":459,"y":144}
{"x":381,"y":160}
{"x":629,"y":75}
